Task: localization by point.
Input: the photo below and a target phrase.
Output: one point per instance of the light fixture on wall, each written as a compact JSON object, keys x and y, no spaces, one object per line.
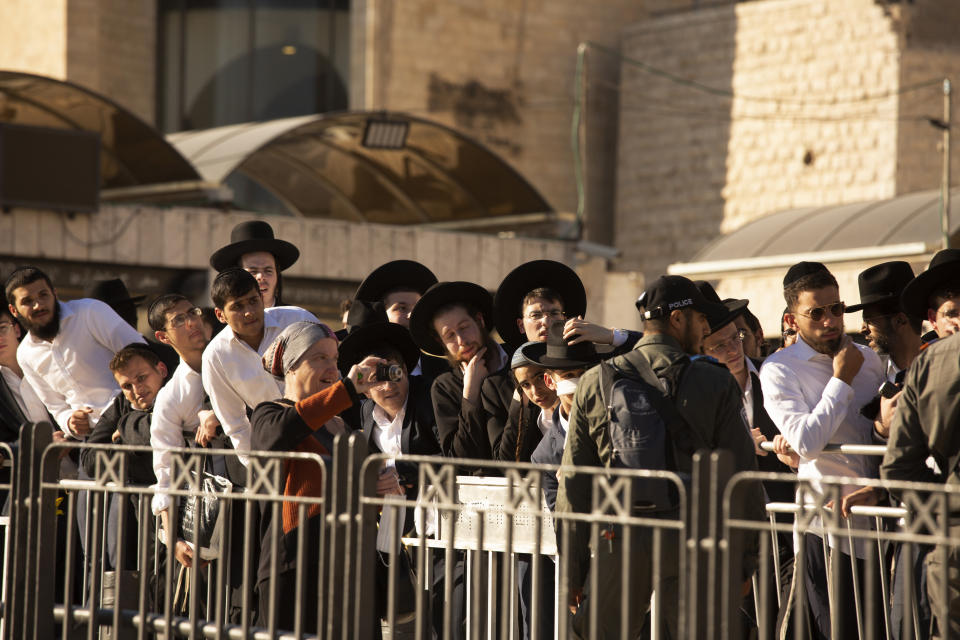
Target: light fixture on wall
{"x":381,"y":133}
{"x":288,"y":50}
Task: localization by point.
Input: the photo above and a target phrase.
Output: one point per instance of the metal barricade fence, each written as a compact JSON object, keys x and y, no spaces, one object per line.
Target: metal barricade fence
{"x":454,"y":557}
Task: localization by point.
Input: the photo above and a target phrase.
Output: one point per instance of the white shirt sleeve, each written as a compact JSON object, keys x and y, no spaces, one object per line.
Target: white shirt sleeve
{"x":807,"y":429}
{"x":109,"y":329}
{"x":54,"y":401}
{"x":166,"y":432}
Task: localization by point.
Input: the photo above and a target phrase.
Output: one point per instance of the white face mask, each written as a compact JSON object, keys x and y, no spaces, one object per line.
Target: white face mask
{"x":567,"y":387}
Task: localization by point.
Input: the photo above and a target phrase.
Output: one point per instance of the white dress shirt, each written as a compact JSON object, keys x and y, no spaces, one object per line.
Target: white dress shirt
{"x":26,"y":398}
{"x":812,"y":409}
{"x":174,"y":412}
{"x":234,"y":378}
{"x":388,"y":436}
{"x":72,"y":371}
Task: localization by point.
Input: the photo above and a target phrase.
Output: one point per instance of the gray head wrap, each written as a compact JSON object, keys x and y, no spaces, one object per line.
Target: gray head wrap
{"x":288,"y":347}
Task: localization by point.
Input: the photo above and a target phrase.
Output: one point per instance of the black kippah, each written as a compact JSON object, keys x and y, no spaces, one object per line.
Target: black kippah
{"x":800,"y":270}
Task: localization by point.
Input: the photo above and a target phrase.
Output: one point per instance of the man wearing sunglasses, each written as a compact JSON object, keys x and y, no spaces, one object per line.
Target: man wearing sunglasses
{"x":813,"y":391}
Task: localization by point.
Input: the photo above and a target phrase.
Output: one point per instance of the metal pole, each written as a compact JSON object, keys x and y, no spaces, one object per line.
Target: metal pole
{"x":945,"y":180}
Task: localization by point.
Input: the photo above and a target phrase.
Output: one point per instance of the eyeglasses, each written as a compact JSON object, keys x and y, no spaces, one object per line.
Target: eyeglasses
{"x":816,"y":314}
{"x":5,"y":326}
{"x":179,"y":320}
{"x":536,"y":316}
{"x":726,"y":345}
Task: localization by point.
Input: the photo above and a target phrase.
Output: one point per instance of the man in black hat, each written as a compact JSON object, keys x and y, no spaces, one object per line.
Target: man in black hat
{"x":934,"y":295}
{"x":451,"y":320}
{"x":707,"y":399}
{"x":254,"y":248}
{"x":888,"y":330}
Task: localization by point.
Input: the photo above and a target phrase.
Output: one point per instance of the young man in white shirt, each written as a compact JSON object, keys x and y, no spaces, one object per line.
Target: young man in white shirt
{"x":67,"y":350}
{"x":232,"y":373}
{"x":813,"y":391}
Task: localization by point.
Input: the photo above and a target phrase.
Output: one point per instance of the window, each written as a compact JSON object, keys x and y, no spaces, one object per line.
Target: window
{"x":228,"y":61}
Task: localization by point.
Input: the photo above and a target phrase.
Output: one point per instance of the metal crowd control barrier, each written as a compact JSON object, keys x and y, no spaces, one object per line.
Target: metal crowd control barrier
{"x":463,"y":557}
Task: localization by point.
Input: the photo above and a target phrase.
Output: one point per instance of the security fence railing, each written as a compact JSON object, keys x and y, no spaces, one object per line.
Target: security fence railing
{"x":313,"y":547}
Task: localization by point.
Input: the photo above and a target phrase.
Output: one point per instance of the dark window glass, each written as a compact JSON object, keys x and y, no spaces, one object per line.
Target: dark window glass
{"x":229,"y":61}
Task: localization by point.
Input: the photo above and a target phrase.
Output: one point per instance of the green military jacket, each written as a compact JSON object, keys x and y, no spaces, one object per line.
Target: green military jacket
{"x":927,"y":421}
{"x":708,"y":398}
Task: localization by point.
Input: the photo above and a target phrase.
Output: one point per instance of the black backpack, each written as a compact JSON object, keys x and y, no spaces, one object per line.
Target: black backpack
{"x":646,"y":430}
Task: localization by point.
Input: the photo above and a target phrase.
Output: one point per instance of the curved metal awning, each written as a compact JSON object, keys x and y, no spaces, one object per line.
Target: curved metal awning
{"x":133,"y":154}
{"x":319,"y":166}
{"x":904,"y":226}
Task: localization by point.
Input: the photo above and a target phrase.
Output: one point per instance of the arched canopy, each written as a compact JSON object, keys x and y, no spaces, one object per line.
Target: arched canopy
{"x":319,"y":166}
{"x":133,"y":154}
{"x":907,"y":225}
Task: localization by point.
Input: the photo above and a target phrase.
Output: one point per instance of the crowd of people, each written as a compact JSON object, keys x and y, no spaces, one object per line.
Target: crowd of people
{"x":417,"y":370}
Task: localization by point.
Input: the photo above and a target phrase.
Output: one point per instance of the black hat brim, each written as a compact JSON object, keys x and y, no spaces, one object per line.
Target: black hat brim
{"x":916,"y":295}
{"x":524,"y":279}
{"x":439,"y":295}
{"x":732,"y":310}
{"x":392,"y":275}
{"x":227,"y":257}
{"x":536,"y":352}
{"x":871,"y":299}
{"x":362,"y":341}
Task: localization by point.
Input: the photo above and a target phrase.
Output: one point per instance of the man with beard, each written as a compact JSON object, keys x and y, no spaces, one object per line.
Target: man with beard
{"x":707,"y":400}
{"x":65,"y":355}
{"x":888,"y":330}
{"x":813,"y":391}
{"x":452,"y":320}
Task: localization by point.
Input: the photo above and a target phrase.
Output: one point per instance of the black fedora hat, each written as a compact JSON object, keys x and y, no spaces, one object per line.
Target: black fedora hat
{"x":731,"y":309}
{"x":393,"y":275}
{"x":249,"y":237}
{"x":555,"y":353}
{"x":883,"y":282}
{"x":112,"y":292}
{"x":944,"y":270}
{"x":439,"y":295}
{"x":364,"y":312}
{"x":532,"y":275}
{"x":364,"y":340}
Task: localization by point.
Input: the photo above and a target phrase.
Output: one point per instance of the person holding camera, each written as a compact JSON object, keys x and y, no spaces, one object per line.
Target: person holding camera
{"x":304,"y":420}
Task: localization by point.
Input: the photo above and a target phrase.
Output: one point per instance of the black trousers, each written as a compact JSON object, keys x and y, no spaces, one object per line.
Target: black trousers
{"x":842,"y":584}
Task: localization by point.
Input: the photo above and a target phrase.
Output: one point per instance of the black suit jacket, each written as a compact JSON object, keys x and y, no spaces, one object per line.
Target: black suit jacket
{"x":417,"y":437}
{"x":11,"y":417}
{"x":776,"y":491}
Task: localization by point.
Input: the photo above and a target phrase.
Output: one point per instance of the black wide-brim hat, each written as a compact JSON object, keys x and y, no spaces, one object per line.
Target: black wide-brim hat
{"x":532,"y":275}
{"x":249,"y":237}
{"x":944,"y":270}
{"x":439,"y":295}
{"x":393,"y":275}
{"x":727,"y":312}
{"x":112,"y":292}
{"x":363,"y":341}
{"x":561,"y":356}
{"x":882,"y":283}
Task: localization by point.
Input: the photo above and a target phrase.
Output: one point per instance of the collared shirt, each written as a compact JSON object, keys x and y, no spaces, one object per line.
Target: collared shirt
{"x":748,"y":390}
{"x":26,"y":398}
{"x":812,"y":409}
{"x":545,"y":420}
{"x":388,"y":434}
{"x":175,"y":411}
{"x":234,"y":378}
{"x":72,"y":371}
{"x":892,"y":370}
{"x":563,"y":422}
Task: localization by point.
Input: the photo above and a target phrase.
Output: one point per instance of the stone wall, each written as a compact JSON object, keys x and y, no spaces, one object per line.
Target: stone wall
{"x":822,"y":112}
{"x":112,"y":50}
{"x":33,"y":37}
{"x":501,"y":71}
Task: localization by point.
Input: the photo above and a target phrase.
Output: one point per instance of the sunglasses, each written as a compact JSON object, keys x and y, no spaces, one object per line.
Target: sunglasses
{"x":816,"y":314}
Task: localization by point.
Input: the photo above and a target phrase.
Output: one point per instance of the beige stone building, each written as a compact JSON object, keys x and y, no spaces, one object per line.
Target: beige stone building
{"x":694,"y":120}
